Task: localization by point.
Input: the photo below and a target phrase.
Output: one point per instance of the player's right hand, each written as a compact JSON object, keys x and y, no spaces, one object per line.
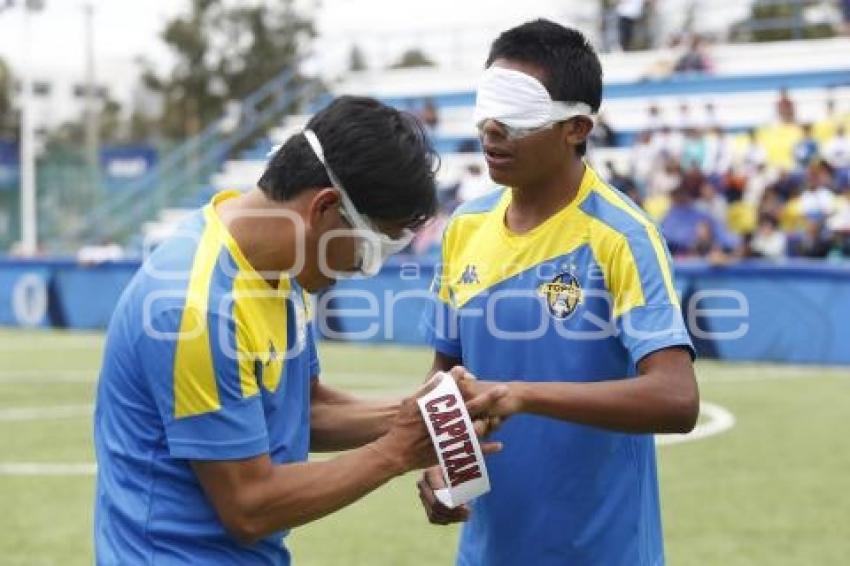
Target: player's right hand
{"x":438,"y":514}
{"x":408,"y":442}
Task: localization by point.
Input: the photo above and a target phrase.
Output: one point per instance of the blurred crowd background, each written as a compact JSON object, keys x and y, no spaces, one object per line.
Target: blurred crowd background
{"x":726,"y":120}
{"x":779,"y":190}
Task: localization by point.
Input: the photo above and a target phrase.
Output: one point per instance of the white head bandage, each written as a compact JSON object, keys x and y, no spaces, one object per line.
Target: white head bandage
{"x":375,"y":246}
{"x":518,"y":100}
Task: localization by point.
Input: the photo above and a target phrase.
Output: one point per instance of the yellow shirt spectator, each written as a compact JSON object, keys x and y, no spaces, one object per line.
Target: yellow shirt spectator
{"x":779,"y":141}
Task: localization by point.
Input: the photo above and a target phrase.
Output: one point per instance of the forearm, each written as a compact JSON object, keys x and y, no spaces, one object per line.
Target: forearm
{"x":295,"y":494}
{"x":347,"y":423}
{"x":636,"y":405}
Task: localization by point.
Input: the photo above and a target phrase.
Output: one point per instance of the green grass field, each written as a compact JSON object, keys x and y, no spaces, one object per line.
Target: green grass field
{"x":772,"y":490}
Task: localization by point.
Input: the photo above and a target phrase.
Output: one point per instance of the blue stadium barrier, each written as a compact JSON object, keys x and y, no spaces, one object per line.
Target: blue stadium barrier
{"x":797,"y":312}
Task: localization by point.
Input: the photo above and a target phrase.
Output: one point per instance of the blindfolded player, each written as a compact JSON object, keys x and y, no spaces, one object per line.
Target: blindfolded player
{"x":574,"y":308}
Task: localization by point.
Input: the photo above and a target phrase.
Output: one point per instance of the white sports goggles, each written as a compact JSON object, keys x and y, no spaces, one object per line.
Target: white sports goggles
{"x":375,"y":246}
{"x":521,"y":104}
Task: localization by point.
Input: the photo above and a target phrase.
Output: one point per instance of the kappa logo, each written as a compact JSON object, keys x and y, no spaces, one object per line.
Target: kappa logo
{"x":272,"y":354}
{"x":469,"y":276}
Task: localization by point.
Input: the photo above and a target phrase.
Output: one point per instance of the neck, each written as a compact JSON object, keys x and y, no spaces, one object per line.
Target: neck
{"x":532,"y":204}
{"x":266,"y":239}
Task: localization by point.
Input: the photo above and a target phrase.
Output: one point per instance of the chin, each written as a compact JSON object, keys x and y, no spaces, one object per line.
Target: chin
{"x":503,"y":179}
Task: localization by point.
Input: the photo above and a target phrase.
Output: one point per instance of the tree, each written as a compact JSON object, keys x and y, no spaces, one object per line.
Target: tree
{"x":8,"y":113}
{"x":780,"y":21}
{"x":224,"y":53}
{"x":112,"y":127}
{"x":412,"y":58}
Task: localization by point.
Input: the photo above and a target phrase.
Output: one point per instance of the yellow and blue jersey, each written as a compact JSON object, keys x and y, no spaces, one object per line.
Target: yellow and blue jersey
{"x":582,"y":297}
{"x":204,"y":360}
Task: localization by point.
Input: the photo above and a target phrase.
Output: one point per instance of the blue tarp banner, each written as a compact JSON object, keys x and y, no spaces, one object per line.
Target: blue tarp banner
{"x":124,"y":164}
{"x":796,"y":313}
{"x":10,"y":169}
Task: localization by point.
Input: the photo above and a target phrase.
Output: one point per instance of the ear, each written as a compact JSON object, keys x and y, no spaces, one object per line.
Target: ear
{"x":322,"y":208}
{"x":577,"y":130}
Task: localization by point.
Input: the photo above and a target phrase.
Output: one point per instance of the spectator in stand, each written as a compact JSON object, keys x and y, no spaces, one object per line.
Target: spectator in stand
{"x":686,"y":119}
{"x":684,"y":226}
{"x":756,"y":184}
{"x":785,"y":108}
{"x":629,"y":13}
{"x":839,"y":222}
{"x":752,"y":155}
{"x":818,"y":201}
{"x":824,"y":129}
{"x":719,"y":155}
{"x":429,"y":115}
{"x":837,"y":150}
{"x":814,"y":242}
{"x":710,"y":120}
{"x":780,"y":138}
{"x":788,"y":211}
{"x":769,"y":241}
{"x":609,"y":26}
{"x":772,"y":204}
{"x":654,"y":119}
{"x":806,"y":149}
{"x":706,"y":244}
{"x":712,"y":203}
{"x":664,"y":180}
{"x":696,"y":58}
{"x":693,"y":149}
{"x":668,"y":142}
{"x":644,"y":160}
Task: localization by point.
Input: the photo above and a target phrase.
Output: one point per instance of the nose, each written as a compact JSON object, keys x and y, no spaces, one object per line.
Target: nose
{"x":491,"y":128}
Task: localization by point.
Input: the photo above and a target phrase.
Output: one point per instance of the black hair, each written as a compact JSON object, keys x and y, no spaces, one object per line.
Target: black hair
{"x":571,"y":68}
{"x":381,"y":156}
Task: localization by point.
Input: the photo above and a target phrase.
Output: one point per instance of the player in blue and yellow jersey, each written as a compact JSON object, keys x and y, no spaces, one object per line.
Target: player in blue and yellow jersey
{"x":209,"y":397}
{"x":561,"y":288}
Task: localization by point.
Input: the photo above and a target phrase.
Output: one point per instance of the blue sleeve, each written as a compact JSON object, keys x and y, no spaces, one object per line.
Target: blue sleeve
{"x":315,"y":367}
{"x":206,"y":394}
{"x":439,"y":324}
{"x":653,"y":322}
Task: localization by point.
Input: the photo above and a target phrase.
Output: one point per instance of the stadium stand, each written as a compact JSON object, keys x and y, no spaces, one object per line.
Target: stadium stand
{"x":759,"y":185}
{"x":656,"y":116}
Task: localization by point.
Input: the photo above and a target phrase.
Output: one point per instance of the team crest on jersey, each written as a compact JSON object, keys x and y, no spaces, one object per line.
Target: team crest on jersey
{"x":563,"y":295}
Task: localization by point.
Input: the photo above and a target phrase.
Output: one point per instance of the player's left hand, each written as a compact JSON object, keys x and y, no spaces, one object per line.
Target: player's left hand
{"x":507,"y":405}
{"x":485,"y":424}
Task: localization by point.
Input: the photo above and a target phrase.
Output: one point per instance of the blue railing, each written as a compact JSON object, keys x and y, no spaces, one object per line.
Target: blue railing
{"x":188,"y":167}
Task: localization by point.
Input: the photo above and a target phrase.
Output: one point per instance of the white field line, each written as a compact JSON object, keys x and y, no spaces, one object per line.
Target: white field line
{"x":39,"y":376}
{"x":719,"y":420}
{"x":45,"y":413}
{"x":47,"y":469}
{"x":742,"y":374}
{"x":774,"y":375}
{"x":37,"y":345}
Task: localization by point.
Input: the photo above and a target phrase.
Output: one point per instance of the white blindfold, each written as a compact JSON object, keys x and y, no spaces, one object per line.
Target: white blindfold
{"x":518,"y":100}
